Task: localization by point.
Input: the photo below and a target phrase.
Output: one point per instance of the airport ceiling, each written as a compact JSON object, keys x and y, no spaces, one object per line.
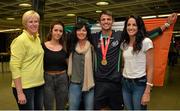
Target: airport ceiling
{"x":57,"y":9}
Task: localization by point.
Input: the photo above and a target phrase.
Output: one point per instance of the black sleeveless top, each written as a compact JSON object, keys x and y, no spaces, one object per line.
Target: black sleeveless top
{"x":54,"y":60}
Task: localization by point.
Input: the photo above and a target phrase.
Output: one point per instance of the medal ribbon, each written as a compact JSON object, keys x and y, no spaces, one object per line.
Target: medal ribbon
{"x":104,"y":47}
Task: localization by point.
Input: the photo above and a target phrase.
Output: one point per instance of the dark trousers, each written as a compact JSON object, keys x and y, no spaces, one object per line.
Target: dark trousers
{"x":108,"y":94}
{"x":34,"y":97}
{"x":55,"y":89}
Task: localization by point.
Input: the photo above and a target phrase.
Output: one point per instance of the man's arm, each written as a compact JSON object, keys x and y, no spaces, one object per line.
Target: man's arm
{"x":171,"y":20}
{"x":157,"y":31}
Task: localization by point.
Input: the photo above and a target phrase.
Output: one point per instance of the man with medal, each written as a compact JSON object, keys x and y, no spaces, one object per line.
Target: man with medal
{"x":104,"y":47}
{"x":107,"y":74}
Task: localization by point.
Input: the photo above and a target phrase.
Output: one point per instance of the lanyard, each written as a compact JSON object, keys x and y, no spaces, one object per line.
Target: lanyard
{"x":104,"y":48}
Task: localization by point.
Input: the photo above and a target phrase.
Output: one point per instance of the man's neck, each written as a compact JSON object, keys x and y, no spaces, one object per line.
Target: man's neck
{"x":106,"y":32}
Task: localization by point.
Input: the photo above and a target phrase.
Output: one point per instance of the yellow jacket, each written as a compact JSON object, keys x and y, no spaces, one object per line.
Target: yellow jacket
{"x":27,"y":60}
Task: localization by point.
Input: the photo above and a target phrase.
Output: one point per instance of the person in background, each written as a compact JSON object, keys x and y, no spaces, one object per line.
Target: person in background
{"x":80,"y":69}
{"x":138,"y":64}
{"x":26,"y":64}
{"x":108,"y":92}
{"x":55,"y":66}
{"x":172,"y":56}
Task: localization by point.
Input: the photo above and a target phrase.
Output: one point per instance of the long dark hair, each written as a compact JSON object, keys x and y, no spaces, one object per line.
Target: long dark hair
{"x":74,"y":37}
{"x":62,"y":40}
{"x":141,"y":34}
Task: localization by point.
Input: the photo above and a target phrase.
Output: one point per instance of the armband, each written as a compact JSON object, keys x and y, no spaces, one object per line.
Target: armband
{"x":167,"y":25}
{"x":150,"y":84}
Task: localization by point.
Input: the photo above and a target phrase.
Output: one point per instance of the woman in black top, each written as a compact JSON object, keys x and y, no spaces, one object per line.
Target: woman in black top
{"x":55,"y":65}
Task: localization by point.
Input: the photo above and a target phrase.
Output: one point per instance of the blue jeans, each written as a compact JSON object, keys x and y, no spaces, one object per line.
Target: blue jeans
{"x":75,"y":95}
{"x":133,"y":90}
{"x":55,"y":88}
{"x":34,"y":97}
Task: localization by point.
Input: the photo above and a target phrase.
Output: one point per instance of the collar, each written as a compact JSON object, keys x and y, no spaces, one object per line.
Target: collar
{"x":31,"y":37}
{"x":99,"y":35}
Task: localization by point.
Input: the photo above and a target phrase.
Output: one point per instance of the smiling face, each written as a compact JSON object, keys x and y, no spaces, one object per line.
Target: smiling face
{"x":106,"y":22}
{"x":30,"y":21}
{"x":32,"y":25}
{"x":81,"y":33}
{"x":57,"y":32}
{"x":132,"y":28}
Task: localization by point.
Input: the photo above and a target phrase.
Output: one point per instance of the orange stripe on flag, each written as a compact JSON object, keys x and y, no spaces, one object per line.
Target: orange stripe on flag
{"x":161,"y":49}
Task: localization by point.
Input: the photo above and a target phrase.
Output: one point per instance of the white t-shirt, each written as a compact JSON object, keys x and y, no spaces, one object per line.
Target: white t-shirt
{"x":135,"y":65}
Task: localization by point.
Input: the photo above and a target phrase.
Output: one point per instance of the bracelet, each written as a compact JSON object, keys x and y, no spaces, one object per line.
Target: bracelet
{"x":150,"y":84}
{"x":167,"y":24}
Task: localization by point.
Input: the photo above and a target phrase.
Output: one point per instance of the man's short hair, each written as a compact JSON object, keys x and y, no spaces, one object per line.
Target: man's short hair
{"x":105,"y":12}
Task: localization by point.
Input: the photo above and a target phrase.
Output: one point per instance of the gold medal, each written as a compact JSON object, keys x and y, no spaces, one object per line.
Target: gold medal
{"x":104,"y":62}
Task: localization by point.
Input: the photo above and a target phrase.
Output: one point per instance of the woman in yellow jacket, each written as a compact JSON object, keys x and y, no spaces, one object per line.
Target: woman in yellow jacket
{"x":26,"y":64}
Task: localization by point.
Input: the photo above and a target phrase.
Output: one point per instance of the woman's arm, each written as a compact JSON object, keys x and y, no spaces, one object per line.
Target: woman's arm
{"x":21,"y":96}
{"x":17,"y":55}
{"x":149,"y":72}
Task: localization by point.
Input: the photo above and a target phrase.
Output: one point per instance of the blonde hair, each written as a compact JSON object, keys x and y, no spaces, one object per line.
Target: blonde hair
{"x":27,"y":15}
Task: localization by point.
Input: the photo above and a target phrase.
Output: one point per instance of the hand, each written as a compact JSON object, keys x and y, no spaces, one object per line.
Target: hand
{"x":172,"y":18}
{"x":21,"y":98}
{"x":145,"y":98}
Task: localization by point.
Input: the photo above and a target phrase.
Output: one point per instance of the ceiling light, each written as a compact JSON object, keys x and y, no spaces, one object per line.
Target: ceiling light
{"x":102,"y":3}
{"x":165,"y":15}
{"x":176,"y":32}
{"x":98,"y":11}
{"x":10,"y":30}
{"x":25,"y":5}
{"x":70,"y":15}
{"x":177,"y":35}
{"x":154,"y":16}
{"x":147,"y":17}
{"x":10,"y":18}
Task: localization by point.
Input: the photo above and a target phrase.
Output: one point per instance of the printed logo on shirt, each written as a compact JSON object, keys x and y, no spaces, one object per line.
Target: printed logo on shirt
{"x":114,"y":43}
